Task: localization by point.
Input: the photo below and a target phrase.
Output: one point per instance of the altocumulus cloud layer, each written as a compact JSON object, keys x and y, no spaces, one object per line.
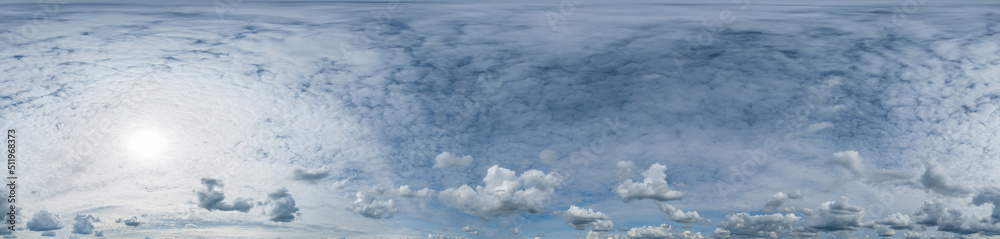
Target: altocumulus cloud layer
{"x":627,"y":119}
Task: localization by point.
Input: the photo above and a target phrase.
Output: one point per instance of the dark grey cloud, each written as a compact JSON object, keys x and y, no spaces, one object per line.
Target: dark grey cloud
{"x":44,"y":221}
{"x":311,"y":175}
{"x":935,"y":214}
{"x":989,"y":195}
{"x":282,"y":206}
{"x":84,"y":224}
{"x":581,"y":219}
{"x":212,"y":198}
{"x":49,"y":234}
{"x":837,"y":215}
{"x":935,"y":180}
{"x":132,"y":222}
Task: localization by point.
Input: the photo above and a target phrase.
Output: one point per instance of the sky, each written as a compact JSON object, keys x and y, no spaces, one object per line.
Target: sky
{"x":489,"y":119}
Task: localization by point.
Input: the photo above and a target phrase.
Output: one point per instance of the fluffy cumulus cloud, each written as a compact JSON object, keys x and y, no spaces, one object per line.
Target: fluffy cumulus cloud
{"x":212,"y":197}
{"x":837,"y":215}
{"x":422,"y":194}
{"x":282,"y":206}
{"x":935,"y":213}
{"x":44,"y":221}
{"x":311,"y":175}
{"x":581,"y":219}
{"x":370,"y":207}
{"x":663,"y":231}
{"x":447,"y":160}
{"x":654,"y":186}
{"x":504,"y":193}
{"x":84,"y":224}
{"x":897,"y":221}
{"x":678,"y":215}
{"x":744,"y":225}
{"x":885,"y":232}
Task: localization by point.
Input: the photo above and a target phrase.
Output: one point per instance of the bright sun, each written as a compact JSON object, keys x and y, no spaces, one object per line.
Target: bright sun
{"x":147,"y":143}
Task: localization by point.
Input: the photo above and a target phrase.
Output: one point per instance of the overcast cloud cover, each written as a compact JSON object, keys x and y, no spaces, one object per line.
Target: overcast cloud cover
{"x":484,"y":119}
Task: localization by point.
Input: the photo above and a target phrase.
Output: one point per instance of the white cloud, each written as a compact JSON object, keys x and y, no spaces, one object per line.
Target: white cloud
{"x":818,"y":126}
{"x":663,"y":231}
{"x":581,"y":219}
{"x":625,"y":169}
{"x":836,"y":216}
{"x":743,"y":225}
{"x":370,"y":207}
{"x":884,"y":231}
{"x":468,"y":229}
{"x":339,"y":184}
{"x":504,"y":193}
{"x":679,"y":216}
{"x":548,"y":156}
{"x":897,"y":221}
{"x":654,"y":186}
{"x":422,"y":194}
{"x":44,"y":221}
{"x":849,"y":159}
{"x":447,"y":160}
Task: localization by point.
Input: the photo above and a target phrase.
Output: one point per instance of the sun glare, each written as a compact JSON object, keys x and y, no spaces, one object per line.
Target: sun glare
{"x":147,"y":143}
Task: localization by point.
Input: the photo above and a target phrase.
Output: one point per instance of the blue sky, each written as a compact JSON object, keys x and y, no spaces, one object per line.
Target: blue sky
{"x":550,"y":119}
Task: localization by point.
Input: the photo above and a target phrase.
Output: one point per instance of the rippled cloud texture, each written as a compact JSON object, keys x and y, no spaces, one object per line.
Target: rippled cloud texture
{"x":482,"y":119}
